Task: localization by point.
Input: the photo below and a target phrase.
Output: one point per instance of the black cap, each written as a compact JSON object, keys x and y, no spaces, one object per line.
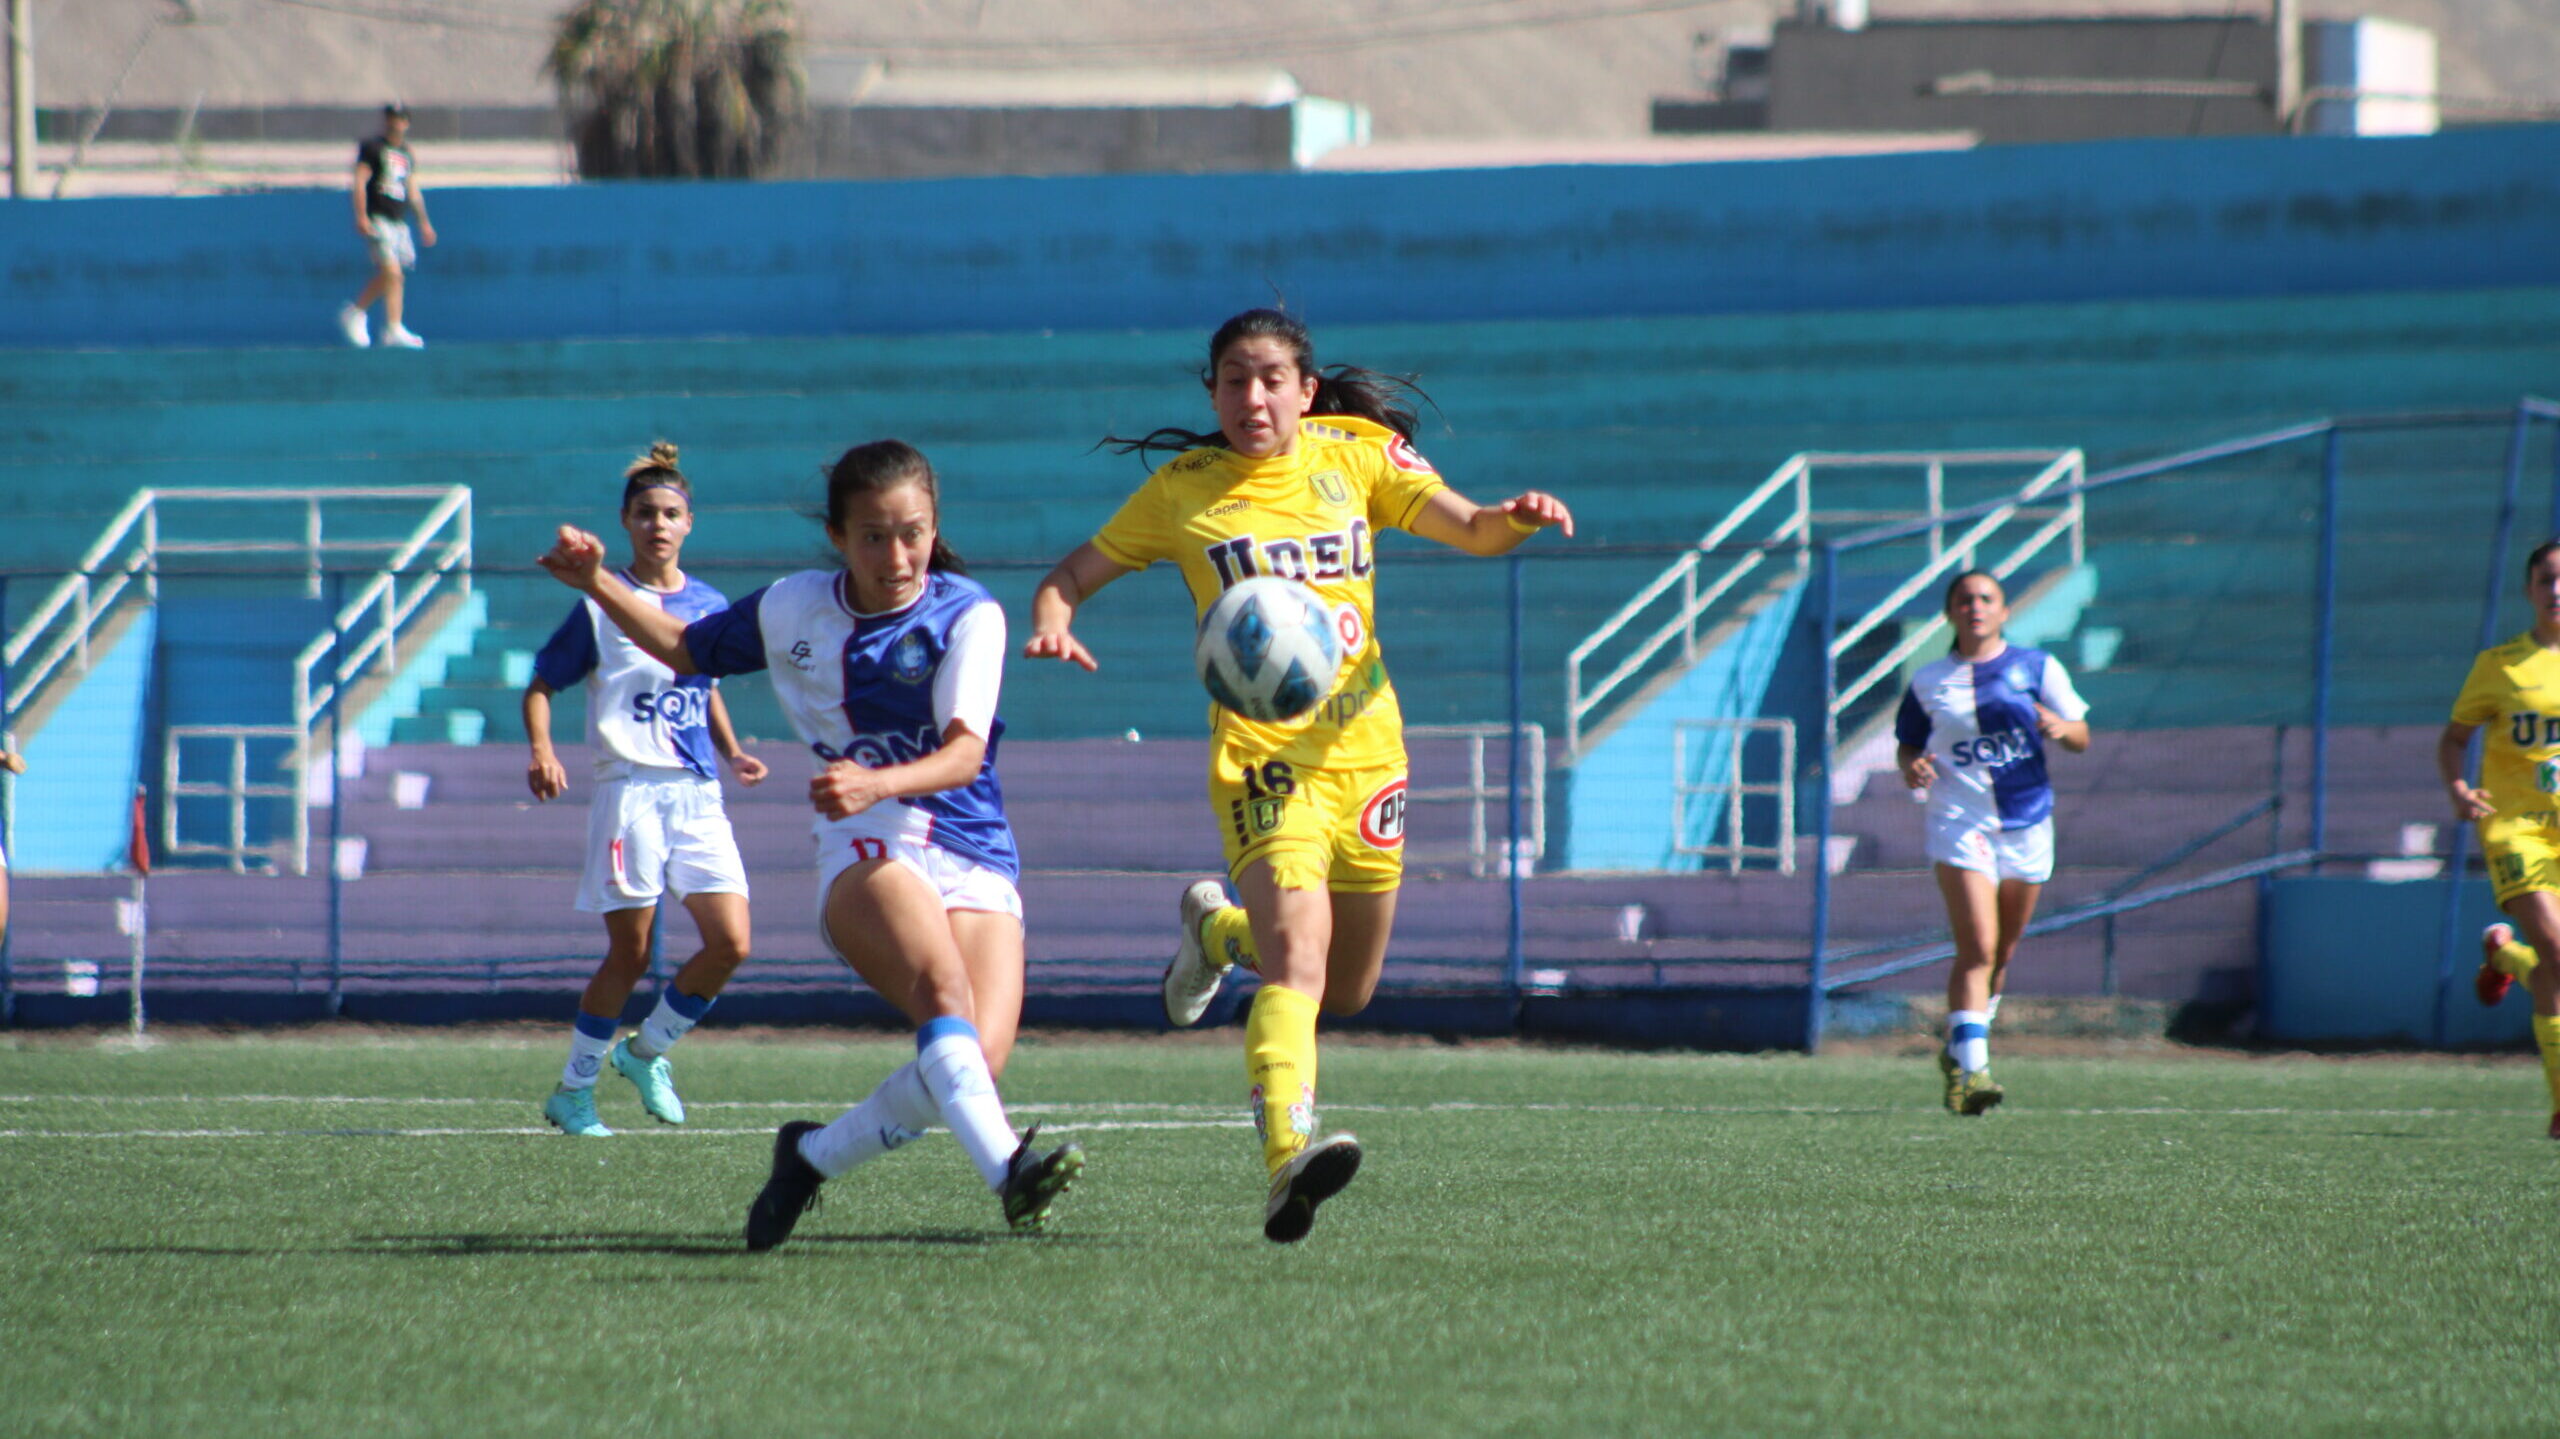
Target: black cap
{"x":395,"y":108}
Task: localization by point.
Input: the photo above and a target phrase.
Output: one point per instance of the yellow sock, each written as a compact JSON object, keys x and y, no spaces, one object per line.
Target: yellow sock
{"x":1229,"y":937}
{"x":2515,"y":959}
{"x":2546,"y":1036}
{"x":1280,"y":1058}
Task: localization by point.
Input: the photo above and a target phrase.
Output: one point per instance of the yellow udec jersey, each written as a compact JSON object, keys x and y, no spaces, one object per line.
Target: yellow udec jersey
{"x":2513,"y":697}
{"x":1311,"y":516}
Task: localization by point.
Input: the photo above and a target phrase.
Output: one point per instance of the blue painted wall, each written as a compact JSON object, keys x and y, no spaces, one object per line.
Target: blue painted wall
{"x":2355,"y":960}
{"x":2120,"y":219}
{"x":1620,"y":808}
{"x":75,"y":802}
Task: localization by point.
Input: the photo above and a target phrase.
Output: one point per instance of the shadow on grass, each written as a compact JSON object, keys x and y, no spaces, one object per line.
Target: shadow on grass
{"x":718,"y":1244}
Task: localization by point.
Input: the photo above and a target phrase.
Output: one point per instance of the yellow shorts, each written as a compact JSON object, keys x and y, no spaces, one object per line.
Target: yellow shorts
{"x":2523,"y":853}
{"x":1334,"y":829}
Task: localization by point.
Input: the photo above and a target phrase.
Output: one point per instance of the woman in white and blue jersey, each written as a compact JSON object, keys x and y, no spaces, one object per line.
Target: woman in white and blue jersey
{"x":1971,"y":744}
{"x":888,"y":668}
{"x":655,"y":823}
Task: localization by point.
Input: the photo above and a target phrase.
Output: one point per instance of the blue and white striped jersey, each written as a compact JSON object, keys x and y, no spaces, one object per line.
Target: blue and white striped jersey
{"x":639,"y":712}
{"x":1977,"y":720}
{"x":880,"y":690}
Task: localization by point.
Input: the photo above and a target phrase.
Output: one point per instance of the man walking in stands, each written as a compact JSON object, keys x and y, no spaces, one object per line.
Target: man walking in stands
{"x":385,"y":191}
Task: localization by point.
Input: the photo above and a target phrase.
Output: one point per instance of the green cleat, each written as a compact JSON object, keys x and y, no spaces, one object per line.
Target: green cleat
{"x":652,"y":1077}
{"x":574,"y":1111}
{"x":1980,"y":1094}
{"x":1033,"y":1182}
{"x":1954,"y":1078}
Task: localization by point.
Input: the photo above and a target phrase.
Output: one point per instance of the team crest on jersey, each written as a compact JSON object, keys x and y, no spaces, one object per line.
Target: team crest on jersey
{"x":1401,"y":454}
{"x":1331,"y":488}
{"x":1265,"y":814}
{"x":803,"y":658}
{"x":909,"y":659}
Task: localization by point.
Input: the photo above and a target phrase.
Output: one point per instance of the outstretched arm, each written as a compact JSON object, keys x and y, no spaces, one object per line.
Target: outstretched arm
{"x":576,"y":559}
{"x":1053,"y":606}
{"x":1460,"y":523}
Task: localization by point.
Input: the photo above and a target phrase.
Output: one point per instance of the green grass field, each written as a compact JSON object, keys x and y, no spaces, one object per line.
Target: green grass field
{"x":368,"y":1233}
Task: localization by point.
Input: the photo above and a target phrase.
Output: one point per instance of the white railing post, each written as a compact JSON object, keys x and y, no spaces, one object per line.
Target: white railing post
{"x":311,"y":545}
{"x":1937,"y":489}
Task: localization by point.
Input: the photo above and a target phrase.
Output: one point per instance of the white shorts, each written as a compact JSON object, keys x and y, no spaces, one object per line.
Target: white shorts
{"x":962,"y":883}
{"x":2021,"y":854}
{"x":391,"y":244}
{"x":653,"y":832}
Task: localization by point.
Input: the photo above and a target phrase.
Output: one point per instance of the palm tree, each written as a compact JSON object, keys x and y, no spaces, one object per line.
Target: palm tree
{"x":657,"y":89}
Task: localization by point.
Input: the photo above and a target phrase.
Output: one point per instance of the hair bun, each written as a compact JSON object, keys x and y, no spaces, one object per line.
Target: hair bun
{"x":663,"y":452}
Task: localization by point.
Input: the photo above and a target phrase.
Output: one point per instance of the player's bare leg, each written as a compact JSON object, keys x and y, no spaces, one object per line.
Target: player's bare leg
{"x":2537,"y":918}
{"x":1973,"y":921}
{"x":641,"y":1057}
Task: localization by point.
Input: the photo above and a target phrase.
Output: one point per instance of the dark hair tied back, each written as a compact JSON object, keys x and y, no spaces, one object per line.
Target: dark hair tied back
{"x":884,"y":465}
{"x":1394,"y":401}
{"x":652,"y":471}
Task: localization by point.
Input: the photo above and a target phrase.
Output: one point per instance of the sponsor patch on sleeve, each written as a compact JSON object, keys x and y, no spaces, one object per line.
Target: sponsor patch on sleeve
{"x":1401,"y":453}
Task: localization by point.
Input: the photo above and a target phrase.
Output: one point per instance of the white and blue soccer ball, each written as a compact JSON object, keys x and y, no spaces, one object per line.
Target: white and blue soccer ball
{"x":1268,"y":649}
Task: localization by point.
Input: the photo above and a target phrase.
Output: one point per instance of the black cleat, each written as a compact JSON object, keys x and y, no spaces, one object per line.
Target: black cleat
{"x":791,"y":1191}
{"x":1032,"y":1182}
{"x":1312,"y":1176}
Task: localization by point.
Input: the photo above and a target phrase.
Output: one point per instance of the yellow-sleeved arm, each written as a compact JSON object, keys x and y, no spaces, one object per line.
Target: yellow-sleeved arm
{"x":1401,"y":481}
{"x":1141,"y":532}
{"x":2483,"y":693}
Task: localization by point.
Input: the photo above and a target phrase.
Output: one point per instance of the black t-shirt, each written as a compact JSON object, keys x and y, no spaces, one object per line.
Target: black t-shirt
{"x":386,"y":195}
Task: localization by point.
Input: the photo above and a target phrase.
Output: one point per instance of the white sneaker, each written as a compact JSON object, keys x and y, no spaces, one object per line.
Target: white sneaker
{"x":1192,"y":979}
{"x":351,"y":324}
{"x":399,"y":338}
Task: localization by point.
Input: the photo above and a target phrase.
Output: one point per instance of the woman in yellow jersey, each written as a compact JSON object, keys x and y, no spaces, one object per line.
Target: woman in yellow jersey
{"x":2514,"y":692}
{"x":1304,"y":469}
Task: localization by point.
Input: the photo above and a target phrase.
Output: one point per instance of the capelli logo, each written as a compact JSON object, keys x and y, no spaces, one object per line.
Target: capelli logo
{"x":1231,"y":507}
{"x":803,"y":658}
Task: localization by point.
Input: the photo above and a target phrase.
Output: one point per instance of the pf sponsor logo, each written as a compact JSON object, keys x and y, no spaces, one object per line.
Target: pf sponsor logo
{"x":1401,"y":453}
{"x":1382,"y":818}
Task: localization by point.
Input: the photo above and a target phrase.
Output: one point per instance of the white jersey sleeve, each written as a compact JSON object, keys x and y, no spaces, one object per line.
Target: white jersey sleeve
{"x":966,"y":685}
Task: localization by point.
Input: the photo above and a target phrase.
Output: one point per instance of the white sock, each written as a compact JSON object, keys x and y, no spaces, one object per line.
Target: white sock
{"x":675,"y":1016}
{"x":588,"y":1041}
{"x":898,"y":1111}
{"x":955,"y":1073}
{"x":1992,"y":1013}
{"x":1969,"y":1038}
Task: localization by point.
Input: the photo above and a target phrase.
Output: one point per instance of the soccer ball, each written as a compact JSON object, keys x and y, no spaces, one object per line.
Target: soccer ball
{"x":1267,"y":649}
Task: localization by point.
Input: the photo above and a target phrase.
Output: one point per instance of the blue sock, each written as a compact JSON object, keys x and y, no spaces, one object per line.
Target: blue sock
{"x":676,"y":1014}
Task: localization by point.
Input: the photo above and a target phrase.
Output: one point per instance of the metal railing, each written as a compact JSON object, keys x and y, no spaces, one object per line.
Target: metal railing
{"x":1484,"y":851}
{"x":432,"y":558}
{"x":1795,"y":530}
{"x":2065,"y":467}
{"x":236,"y":789}
{"x":1733,"y":789}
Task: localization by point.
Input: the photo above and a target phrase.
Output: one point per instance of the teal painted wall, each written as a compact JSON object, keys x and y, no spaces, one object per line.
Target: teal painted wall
{"x":2016,"y":223}
{"x":2354,"y":960}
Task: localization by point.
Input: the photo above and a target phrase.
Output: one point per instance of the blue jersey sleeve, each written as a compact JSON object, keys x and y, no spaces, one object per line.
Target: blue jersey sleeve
{"x":569,"y":656}
{"x":730,"y":642}
{"x":1911,"y":722}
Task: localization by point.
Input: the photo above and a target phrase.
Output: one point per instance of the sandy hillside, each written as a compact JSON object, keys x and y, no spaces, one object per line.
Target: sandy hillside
{"x":1425,"y":68}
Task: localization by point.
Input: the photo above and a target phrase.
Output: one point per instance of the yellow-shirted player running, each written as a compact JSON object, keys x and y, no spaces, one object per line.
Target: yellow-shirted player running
{"x":1304,"y":471}
{"x":2514,"y":693}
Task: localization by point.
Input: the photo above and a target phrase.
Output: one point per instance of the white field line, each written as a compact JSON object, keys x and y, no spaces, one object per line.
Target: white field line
{"x":1070,"y":1118}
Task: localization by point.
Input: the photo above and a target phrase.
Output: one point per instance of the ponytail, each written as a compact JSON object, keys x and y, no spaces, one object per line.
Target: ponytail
{"x":1390,"y":400}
